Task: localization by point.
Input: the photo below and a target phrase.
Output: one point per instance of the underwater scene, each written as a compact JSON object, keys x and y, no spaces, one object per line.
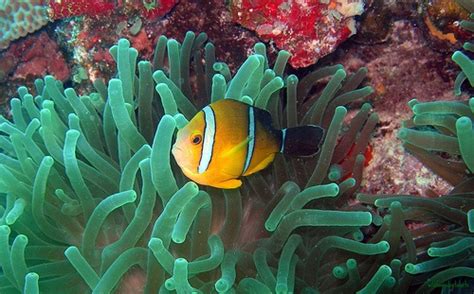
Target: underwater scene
{"x":236,"y":146}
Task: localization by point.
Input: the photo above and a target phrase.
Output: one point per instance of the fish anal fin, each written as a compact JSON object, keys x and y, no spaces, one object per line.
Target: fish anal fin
{"x":229,"y":184}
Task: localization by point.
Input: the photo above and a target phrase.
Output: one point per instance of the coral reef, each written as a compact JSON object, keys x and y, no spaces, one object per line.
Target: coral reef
{"x":308,"y":30}
{"x":19,"y":18}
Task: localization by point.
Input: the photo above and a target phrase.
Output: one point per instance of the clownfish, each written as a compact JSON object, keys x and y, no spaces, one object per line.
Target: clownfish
{"x":228,"y":139}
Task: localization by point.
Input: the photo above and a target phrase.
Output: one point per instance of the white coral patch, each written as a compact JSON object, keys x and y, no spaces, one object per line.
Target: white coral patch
{"x":350,"y":8}
{"x":351,"y":25}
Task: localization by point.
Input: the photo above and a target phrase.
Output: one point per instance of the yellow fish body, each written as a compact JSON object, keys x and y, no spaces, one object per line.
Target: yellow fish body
{"x":229,"y":139}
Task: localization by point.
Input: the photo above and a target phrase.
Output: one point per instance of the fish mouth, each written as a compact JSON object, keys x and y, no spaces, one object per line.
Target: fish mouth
{"x":179,"y":155}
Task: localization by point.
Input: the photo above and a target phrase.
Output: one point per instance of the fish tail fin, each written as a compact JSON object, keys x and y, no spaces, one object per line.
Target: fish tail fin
{"x":301,"y":141}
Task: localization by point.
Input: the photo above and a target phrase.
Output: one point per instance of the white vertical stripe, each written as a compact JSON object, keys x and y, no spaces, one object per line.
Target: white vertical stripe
{"x":283,"y":137}
{"x":208,"y":144}
{"x":251,"y":134}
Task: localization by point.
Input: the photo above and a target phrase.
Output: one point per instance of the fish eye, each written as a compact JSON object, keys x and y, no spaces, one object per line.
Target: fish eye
{"x":196,"y":139}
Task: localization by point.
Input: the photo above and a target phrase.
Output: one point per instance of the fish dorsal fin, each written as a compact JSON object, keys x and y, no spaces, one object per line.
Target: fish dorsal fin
{"x":237,"y":148}
{"x":264,"y":117}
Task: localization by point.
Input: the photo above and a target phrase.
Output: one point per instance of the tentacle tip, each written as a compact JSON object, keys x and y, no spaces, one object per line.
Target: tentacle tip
{"x":193,"y":186}
{"x":366,"y":107}
{"x":351,"y":263}
{"x":410,"y":268}
{"x":181,"y":261}
{"x":457,"y":55}
{"x":431,"y":252}
{"x":341,"y":110}
{"x":123,"y":42}
{"x":49,"y":78}
{"x":386,"y":268}
{"x":22,"y":238}
{"x":351,"y":182}
{"x":71,"y":250}
{"x":334,"y":189}
{"x":269,"y":227}
{"x":4,"y":229}
{"x":178,"y":239}
{"x":360,"y":158}
{"x":133,"y":196}
{"x":48,"y":161}
{"x":32,"y":275}
{"x":385,"y":245}
{"x":154,"y":242}
{"x":341,"y":73}
{"x":162,"y":87}
{"x":463,"y":123}
{"x":170,"y":284}
{"x":173,"y":42}
{"x":221,"y":286}
{"x":292,"y":79}
{"x":395,"y":205}
{"x":254,"y":59}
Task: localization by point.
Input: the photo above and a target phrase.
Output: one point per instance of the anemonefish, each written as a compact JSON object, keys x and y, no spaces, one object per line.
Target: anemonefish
{"x":229,"y":139}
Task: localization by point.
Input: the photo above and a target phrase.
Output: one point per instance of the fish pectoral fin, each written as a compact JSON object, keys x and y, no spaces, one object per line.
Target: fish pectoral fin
{"x":242,"y":145}
{"x":229,"y":184}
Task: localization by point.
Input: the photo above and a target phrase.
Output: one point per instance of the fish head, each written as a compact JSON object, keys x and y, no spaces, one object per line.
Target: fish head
{"x":188,"y":146}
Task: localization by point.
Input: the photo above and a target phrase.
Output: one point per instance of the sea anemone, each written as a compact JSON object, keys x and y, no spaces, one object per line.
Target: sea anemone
{"x":80,"y":175}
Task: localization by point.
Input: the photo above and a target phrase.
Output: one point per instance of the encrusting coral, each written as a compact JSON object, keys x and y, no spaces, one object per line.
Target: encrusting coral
{"x":19,"y":18}
{"x":91,"y":198}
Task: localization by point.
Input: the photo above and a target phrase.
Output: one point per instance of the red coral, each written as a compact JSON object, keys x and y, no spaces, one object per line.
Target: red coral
{"x":142,"y":43}
{"x":103,"y":55}
{"x":38,"y":56}
{"x":308,"y":29}
{"x":68,"y":8}
{"x":7,"y":65}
